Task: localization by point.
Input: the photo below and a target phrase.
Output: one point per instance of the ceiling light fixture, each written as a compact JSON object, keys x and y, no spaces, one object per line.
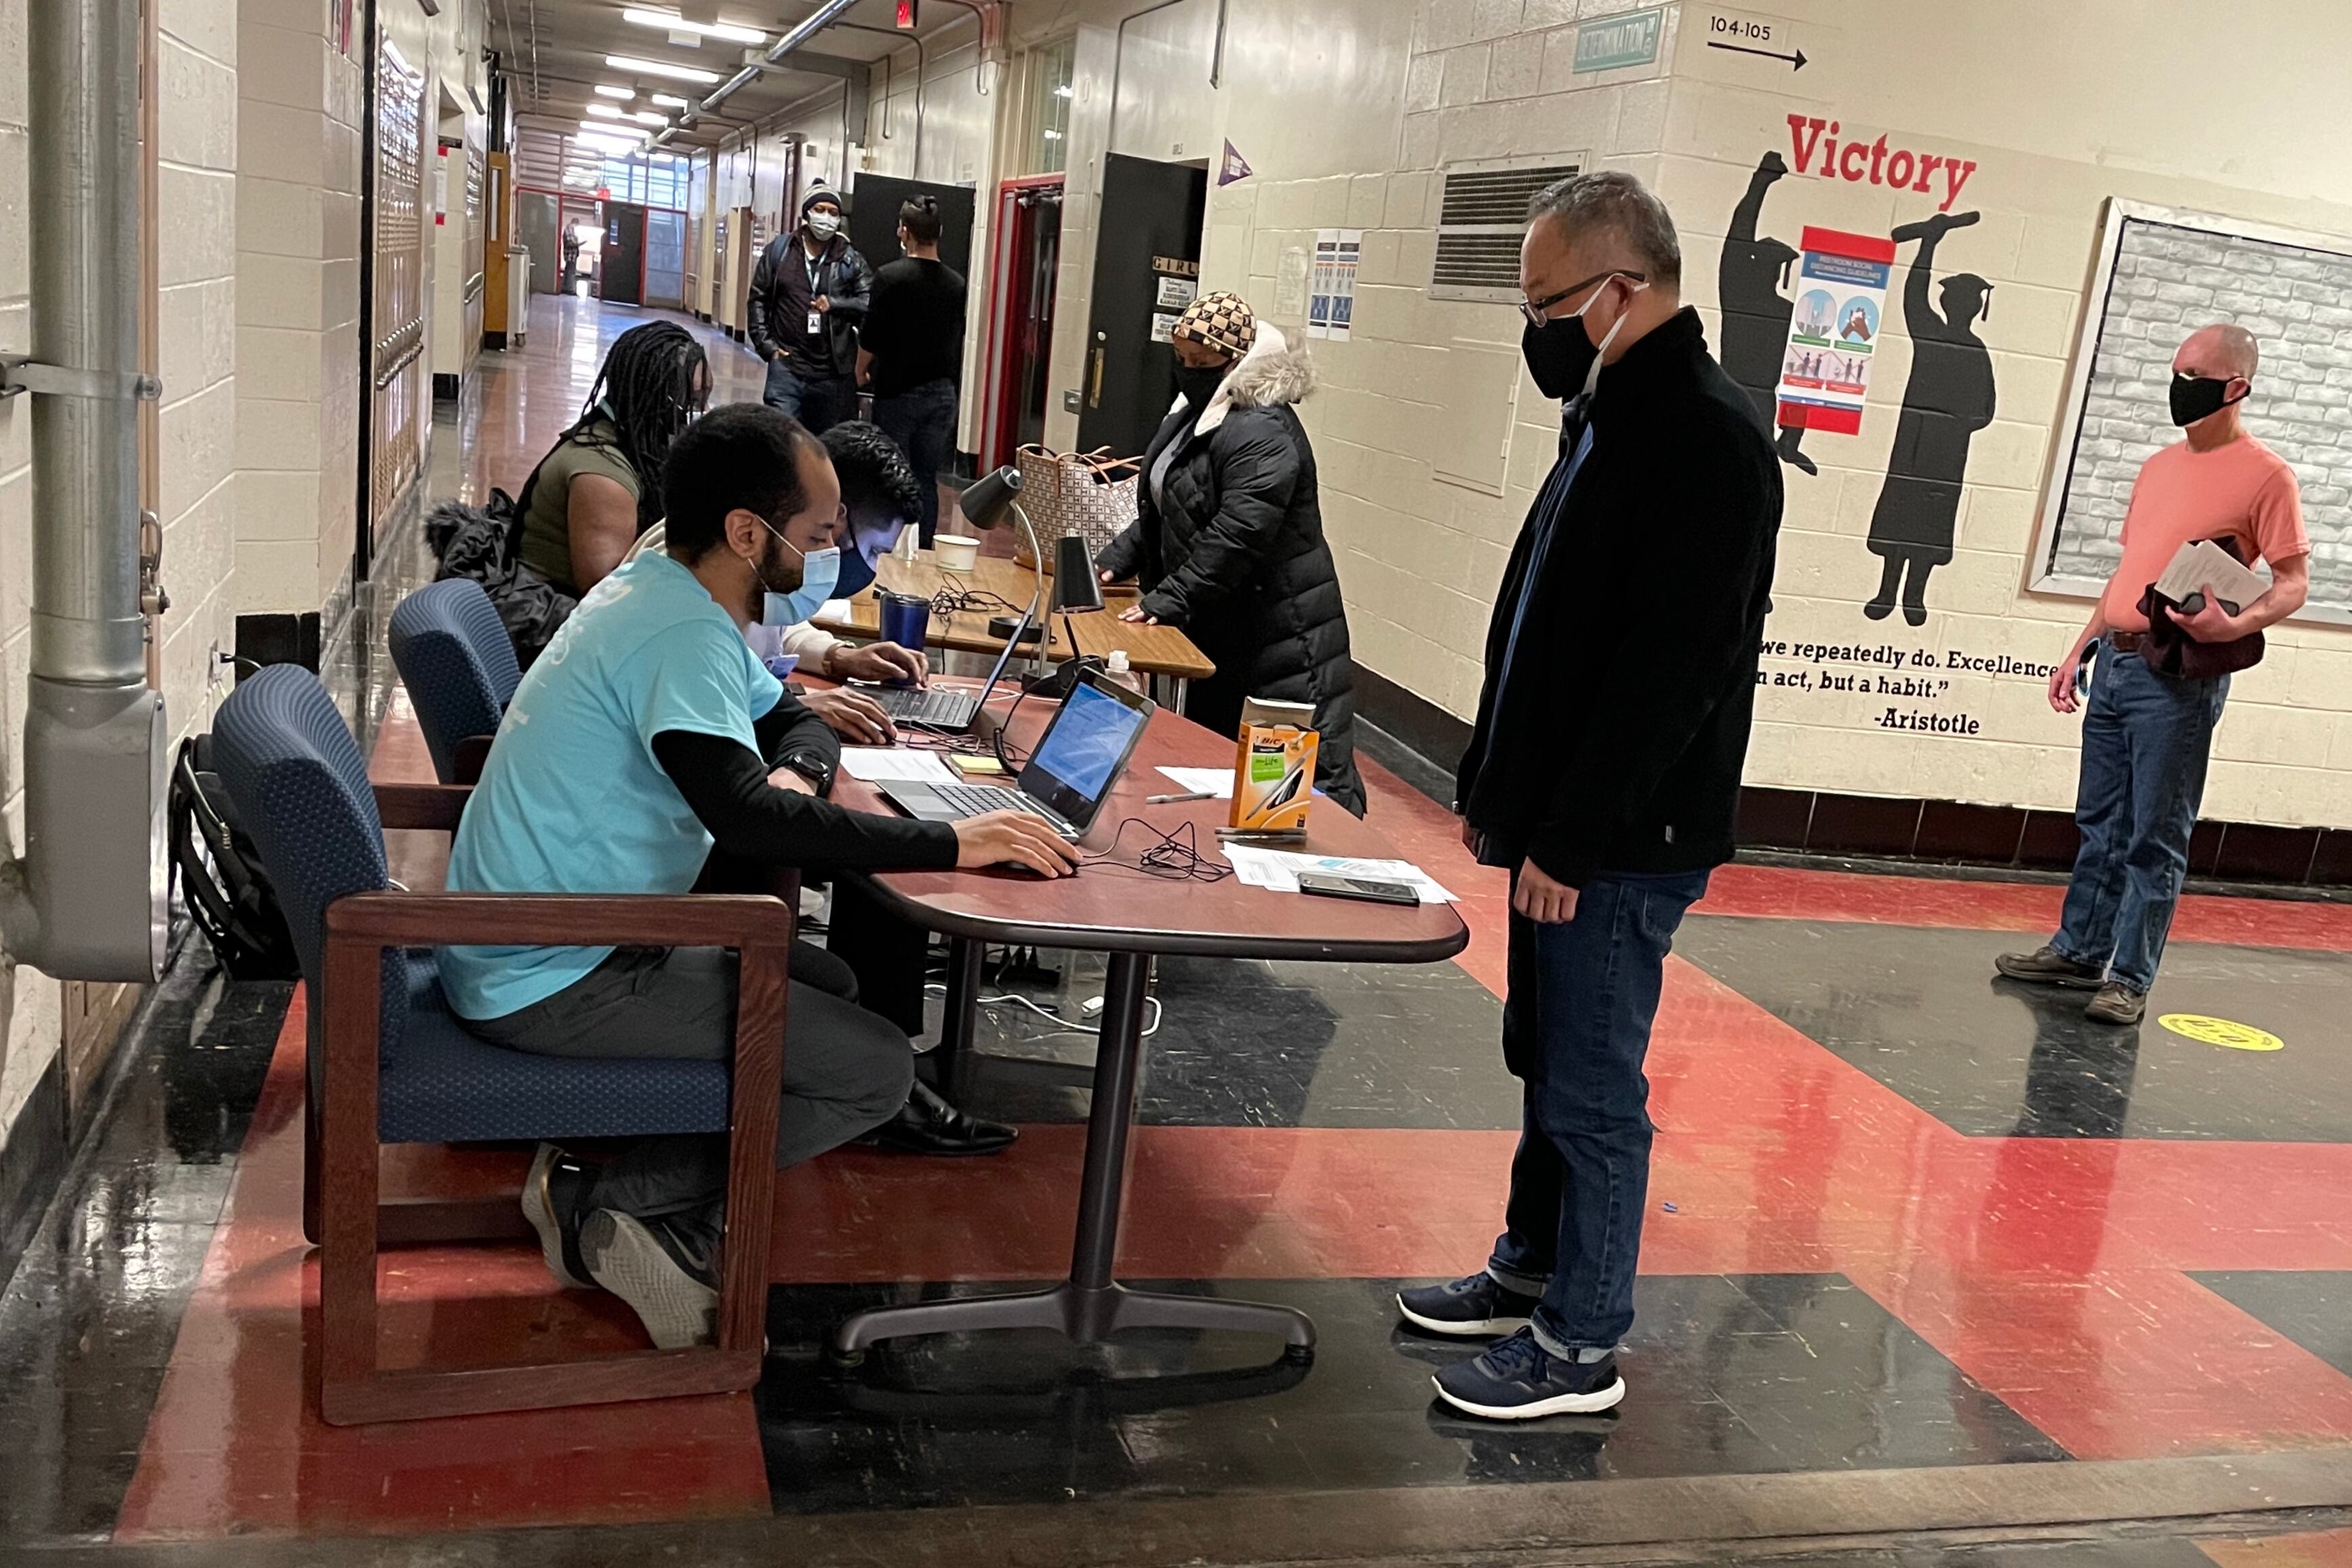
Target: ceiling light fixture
{"x":659,"y":68}
{"x":606,"y":90}
{"x":672,"y":23}
{"x":603,"y":111}
{"x":669,"y":100}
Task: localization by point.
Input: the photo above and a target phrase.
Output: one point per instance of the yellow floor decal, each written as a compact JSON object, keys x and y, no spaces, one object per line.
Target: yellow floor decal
{"x":2222,"y":1032}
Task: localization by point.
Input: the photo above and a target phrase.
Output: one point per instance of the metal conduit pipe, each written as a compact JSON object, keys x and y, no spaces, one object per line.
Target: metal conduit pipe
{"x":815,"y":24}
{"x":922,"y":69}
{"x":88,"y":900}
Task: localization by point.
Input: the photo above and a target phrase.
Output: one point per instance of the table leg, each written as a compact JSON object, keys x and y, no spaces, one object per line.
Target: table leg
{"x":960,"y":1019}
{"x":1090,"y":1306}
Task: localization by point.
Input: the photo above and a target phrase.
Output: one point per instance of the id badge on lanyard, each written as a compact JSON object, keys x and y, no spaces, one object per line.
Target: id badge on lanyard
{"x":815,"y":318}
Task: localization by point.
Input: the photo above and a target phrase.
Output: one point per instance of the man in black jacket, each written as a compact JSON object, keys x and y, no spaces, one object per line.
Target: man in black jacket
{"x":647,"y":737}
{"x":1604,"y":769}
{"x":809,"y":293}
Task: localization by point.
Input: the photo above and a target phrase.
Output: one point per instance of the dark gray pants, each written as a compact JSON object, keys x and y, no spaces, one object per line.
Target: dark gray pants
{"x":847,"y":1071}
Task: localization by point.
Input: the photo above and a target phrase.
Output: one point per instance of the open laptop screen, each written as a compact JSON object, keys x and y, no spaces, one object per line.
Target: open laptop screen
{"x":1082,"y":753}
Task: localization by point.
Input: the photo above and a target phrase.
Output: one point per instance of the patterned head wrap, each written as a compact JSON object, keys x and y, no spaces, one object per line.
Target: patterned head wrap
{"x":1222,"y":321}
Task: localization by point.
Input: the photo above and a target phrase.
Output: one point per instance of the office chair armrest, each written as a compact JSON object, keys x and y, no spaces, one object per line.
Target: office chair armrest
{"x":435,"y":807}
{"x":470,"y":755}
{"x":558,"y":920}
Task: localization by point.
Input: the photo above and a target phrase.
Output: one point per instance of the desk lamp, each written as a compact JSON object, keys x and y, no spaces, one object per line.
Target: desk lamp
{"x":988,"y":505}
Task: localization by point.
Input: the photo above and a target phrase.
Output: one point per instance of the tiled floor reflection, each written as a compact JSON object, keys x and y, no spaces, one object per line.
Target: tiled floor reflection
{"x":1920,"y":1010}
{"x":1746,"y":1374}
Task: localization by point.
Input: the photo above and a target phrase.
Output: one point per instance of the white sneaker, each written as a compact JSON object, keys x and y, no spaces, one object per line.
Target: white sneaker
{"x":640,"y":1264}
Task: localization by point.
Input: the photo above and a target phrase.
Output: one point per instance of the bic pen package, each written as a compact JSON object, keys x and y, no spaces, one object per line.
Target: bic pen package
{"x":1274,"y":766}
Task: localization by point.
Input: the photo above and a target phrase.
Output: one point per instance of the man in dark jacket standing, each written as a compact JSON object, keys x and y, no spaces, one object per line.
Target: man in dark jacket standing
{"x":1604,"y":769}
{"x":1228,"y":537}
{"x":809,"y":292}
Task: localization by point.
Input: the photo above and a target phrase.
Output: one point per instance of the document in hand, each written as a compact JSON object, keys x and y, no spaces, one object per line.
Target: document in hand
{"x":2201,"y":563}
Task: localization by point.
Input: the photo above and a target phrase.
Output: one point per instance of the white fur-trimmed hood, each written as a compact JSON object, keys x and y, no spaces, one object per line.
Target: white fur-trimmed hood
{"x":1274,"y":372}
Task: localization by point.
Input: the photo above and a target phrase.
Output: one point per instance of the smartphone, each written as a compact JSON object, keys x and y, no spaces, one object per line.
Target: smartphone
{"x":1365,"y":888}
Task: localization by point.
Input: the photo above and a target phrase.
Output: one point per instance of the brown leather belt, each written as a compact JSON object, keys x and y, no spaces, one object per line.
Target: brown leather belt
{"x":2126,"y":642}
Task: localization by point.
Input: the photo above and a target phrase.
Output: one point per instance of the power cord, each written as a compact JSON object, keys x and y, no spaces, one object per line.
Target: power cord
{"x":1068,"y":1025}
{"x":969,"y":601}
{"x":1173,"y":856}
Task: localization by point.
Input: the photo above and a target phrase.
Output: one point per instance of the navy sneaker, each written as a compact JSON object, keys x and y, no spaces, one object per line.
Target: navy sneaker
{"x":1477,"y":1306}
{"x":1519,"y":1380}
{"x":551,"y":1196}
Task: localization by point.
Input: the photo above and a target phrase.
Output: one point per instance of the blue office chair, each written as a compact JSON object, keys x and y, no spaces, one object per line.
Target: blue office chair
{"x":389,"y":1063}
{"x":458,"y":664}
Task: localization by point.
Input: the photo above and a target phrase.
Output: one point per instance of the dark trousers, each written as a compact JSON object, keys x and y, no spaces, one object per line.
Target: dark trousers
{"x":921,"y":420}
{"x":1576,"y":1030}
{"x":817,"y":401}
{"x":846,"y":1070}
{"x":2146,"y":739}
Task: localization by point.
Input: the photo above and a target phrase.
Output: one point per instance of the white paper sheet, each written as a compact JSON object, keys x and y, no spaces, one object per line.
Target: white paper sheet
{"x":1278,"y":871}
{"x":2202,"y":562}
{"x":1217,"y":782}
{"x":885,"y":764}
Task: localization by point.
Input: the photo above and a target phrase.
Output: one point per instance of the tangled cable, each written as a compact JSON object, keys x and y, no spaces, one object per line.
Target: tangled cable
{"x":966,"y":601}
{"x":1175,"y":856}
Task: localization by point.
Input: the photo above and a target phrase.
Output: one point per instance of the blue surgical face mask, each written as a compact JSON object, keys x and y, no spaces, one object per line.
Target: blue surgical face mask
{"x":819,"y":570}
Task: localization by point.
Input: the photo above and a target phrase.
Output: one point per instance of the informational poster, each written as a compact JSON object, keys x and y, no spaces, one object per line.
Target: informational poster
{"x":1290,"y":283}
{"x":1834,"y":329}
{"x":1175,"y":293}
{"x":1163,"y":326}
{"x":1331,"y":296}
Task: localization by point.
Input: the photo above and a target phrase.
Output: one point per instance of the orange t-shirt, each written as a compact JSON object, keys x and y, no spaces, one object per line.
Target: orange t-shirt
{"x":2243,"y":490}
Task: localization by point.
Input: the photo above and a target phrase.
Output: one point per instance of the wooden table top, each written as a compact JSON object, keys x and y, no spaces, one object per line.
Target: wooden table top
{"x":1153,"y":650}
{"x":1116,"y":907}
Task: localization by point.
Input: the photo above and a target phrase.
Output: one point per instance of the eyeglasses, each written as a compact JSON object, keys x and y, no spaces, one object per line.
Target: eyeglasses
{"x":1533,"y":309}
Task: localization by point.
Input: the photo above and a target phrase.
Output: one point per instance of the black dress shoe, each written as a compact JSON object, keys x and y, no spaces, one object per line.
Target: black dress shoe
{"x":927,"y":1124}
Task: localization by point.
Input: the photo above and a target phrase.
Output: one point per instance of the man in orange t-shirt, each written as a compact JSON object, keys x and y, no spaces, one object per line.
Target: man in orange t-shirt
{"x":2145,"y":736}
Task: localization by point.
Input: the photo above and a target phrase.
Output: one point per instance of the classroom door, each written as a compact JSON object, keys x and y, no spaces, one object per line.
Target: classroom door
{"x":1147,"y":265}
{"x":621,"y":280}
{"x":873,"y":219}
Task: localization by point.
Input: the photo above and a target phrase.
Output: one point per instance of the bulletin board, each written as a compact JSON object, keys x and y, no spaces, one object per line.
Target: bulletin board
{"x":2161,"y":273}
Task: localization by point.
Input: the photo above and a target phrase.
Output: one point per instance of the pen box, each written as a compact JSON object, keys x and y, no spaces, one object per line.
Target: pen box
{"x":1274,"y":766}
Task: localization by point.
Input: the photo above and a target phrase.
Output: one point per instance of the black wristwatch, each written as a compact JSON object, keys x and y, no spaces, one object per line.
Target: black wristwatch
{"x":812,"y":766}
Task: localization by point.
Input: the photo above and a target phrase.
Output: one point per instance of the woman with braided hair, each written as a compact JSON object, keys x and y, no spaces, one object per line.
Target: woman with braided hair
{"x":590,"y":498}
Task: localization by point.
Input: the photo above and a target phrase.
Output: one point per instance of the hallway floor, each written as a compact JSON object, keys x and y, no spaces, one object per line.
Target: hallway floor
{"x":1926,"y":1253}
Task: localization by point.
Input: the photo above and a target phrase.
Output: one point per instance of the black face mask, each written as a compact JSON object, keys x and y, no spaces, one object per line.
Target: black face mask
{"x":1197,"y":385}
{"x":1558,"y":354}
{"x":2196,"y":398}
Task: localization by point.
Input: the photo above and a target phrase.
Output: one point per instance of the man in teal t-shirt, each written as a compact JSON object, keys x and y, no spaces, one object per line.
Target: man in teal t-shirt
{"x":644,"y":737}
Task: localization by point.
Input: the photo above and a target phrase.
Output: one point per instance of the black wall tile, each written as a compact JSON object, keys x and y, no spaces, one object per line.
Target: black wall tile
{"x":1980,"y":834}
{"x":2254,"y":853}
{"x":1774,"y":819}
{"x":1863,"y":824}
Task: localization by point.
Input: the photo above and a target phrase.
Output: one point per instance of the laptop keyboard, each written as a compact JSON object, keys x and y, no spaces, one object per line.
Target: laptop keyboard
{"x":979,"y":800}
{"x":928,"y":706}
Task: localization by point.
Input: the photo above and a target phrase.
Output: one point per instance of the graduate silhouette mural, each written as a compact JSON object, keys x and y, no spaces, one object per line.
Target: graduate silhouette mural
{"x":1948,"y":399}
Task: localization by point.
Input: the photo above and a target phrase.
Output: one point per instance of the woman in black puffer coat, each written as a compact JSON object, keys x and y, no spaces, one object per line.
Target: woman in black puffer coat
{"x":1228,"y":537}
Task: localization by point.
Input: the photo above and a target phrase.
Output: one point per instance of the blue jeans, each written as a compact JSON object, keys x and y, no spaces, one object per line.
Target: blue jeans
{"x":818,"y":402}
{"x":1576,"y":1028}
{"x":2144,"y":739}
{"x":921,"y":420}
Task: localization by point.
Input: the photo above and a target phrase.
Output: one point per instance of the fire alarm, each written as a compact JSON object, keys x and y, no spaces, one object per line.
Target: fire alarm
{"x":906,"y":19}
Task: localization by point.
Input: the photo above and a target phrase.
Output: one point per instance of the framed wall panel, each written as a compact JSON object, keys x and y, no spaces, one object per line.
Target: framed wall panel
{"x":2160,"y":273}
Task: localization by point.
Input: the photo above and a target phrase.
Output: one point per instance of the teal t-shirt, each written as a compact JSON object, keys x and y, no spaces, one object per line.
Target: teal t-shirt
{"x":572,"y":800}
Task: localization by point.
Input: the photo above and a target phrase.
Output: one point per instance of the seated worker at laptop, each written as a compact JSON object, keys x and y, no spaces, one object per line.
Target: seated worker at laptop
{"x":878,"y":498}
{"x":647,"y":736}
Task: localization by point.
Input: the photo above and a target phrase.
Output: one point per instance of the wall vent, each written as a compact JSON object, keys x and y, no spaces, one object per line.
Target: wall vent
{"x":1482,"y":214}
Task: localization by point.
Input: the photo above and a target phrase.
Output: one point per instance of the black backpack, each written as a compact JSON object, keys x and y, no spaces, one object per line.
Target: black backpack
{"x":229,"y":895}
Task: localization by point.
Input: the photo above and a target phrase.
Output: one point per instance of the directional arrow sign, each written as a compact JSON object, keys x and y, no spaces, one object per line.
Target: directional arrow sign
{"x":1795,"y":57}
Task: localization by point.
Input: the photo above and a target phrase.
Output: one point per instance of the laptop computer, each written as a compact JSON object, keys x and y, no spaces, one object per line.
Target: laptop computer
{"x":943,"y":710}
{"x":1078,"y":760}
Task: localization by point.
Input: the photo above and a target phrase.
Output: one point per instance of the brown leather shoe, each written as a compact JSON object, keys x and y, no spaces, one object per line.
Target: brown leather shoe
{"x":2117,"y":1004}
{"x":2045,"y":966}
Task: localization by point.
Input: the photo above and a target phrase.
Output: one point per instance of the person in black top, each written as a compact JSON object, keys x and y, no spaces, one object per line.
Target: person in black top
{"x":809,"y":291}
{"x":749,"y":493}
{"x":912,"y":352}
{"x":1603,"y":769}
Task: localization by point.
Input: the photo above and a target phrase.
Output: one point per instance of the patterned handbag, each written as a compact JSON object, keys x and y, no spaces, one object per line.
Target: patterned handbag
{"x":1091,"y":496}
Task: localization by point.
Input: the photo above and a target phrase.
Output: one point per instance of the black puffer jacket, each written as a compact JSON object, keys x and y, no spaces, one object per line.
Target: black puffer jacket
{"x":1234,"y":553}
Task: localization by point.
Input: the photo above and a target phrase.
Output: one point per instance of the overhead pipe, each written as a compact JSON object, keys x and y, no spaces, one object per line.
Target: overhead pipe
{"x":922,"y":69}
{"x":816,"y":22}
{"x":88,"y":900}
